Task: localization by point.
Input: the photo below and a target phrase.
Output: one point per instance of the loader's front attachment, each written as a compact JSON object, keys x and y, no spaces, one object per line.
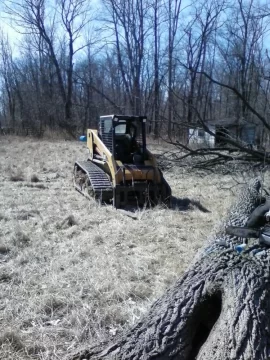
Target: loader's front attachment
{"x":142,"y":194}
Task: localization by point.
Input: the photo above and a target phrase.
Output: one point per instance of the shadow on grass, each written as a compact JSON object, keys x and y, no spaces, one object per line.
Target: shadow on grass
{"x":184,"y":204}
{"x":177,"y":204}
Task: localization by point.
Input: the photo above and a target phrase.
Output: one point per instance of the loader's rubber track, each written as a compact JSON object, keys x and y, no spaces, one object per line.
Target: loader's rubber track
{"x":92,"y":181}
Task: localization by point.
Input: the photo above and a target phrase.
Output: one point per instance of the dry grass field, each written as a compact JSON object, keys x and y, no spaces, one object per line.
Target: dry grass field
{"x":73,"y":272}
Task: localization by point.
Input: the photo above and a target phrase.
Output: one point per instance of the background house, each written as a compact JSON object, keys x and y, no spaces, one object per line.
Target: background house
{"x":243,"y":131}
{"x":197,"y":136}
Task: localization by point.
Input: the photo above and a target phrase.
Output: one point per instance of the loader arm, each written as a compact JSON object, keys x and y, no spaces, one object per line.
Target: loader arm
{"x":97,"y":147}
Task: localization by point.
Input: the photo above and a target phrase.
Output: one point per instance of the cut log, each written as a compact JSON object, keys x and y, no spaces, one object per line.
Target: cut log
{"x":219,"y":309}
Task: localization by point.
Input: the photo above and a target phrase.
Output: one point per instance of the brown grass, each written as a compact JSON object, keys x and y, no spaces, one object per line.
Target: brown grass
{"x":12,"y":339}
{"x":76,"y":272}
{"x":21,"y":239}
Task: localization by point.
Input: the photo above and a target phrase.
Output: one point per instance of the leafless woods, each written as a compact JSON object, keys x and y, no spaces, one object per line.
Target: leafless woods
{"x":183,"y":64}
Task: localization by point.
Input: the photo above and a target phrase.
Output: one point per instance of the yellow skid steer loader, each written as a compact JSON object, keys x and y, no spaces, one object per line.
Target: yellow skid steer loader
{"x":120,"y":169}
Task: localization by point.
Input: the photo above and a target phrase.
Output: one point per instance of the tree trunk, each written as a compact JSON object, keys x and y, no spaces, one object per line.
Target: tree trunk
{"x":218,"y":310}
{"x":156,"y":70}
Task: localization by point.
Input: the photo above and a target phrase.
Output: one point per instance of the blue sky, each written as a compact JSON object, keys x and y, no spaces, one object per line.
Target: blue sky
{"x":5,"y":26}
{"x":8,"y":27}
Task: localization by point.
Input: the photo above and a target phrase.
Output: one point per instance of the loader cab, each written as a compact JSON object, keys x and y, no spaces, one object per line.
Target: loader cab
{"x":125,"y":137}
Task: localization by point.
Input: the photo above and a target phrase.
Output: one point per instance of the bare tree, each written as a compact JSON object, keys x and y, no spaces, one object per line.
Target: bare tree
{"x":6,"y":71}
{"x":150,"y":59}
{"x":156,"y":19}
{"x":241,"y":52}
{"x":31,"y":17}
{"x":173,"y":13}
{"x":128,"y":24}
{"x":199,"y":35}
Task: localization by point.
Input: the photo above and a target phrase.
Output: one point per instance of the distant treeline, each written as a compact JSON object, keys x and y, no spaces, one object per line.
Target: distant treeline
{"x":179,"y":63}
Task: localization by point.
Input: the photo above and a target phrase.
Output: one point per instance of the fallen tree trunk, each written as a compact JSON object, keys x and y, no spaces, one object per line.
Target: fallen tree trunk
{"x":219,"y":309}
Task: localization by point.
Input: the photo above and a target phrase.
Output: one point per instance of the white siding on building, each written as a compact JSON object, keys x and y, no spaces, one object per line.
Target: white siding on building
{"x":202,"y":138}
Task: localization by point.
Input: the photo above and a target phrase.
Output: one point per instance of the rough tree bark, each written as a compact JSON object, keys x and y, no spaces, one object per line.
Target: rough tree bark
{"x":218,"y":310}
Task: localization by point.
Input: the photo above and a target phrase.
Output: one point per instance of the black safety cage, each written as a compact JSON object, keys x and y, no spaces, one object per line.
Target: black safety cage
{"x":112,"y":125}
